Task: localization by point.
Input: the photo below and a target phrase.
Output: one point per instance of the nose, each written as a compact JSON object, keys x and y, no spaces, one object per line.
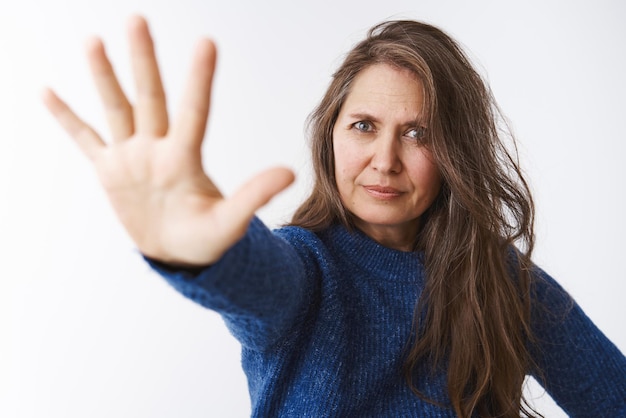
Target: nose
{"x":386,"y":154}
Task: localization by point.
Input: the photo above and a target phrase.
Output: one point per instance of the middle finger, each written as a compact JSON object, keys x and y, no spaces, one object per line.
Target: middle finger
{"x":150,"y":109}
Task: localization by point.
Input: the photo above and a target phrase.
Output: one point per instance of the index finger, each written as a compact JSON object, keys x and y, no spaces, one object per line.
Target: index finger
{"x":190,"y":123}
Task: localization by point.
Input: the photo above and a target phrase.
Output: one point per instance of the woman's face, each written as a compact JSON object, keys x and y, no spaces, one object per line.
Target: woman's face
{"x":385,"y":176}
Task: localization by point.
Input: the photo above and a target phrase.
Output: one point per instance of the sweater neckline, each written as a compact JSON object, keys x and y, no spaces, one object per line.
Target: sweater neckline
{"x":382,"y":262}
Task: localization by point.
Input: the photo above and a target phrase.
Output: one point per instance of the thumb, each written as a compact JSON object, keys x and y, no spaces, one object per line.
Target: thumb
{"x":257,"y":192}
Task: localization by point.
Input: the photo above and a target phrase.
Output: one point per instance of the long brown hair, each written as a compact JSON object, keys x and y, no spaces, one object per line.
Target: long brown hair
{"x":474,"y":313}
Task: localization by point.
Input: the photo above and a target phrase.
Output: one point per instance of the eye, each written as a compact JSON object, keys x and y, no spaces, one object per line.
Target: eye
{"x":416,"y":134}
{"x":363,"y":126}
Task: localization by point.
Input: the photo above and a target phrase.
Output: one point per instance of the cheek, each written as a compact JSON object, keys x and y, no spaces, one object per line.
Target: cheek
{"x":344,"y":162}
{"x":347,"y":171}
{"x":426,"y":176}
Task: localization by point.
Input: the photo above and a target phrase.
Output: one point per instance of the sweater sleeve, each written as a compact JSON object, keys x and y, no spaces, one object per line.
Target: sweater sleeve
{"x":579,"y":367}
{"x":260,"y":286}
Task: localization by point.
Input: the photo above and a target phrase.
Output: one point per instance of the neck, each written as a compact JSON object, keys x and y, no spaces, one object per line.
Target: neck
{"x":398,"y":237}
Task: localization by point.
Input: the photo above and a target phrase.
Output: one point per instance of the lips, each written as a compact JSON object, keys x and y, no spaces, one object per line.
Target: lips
{"x":382,"y":192}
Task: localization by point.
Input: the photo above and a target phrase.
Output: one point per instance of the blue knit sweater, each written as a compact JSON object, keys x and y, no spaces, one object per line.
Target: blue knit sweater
{"x":324,"y":321}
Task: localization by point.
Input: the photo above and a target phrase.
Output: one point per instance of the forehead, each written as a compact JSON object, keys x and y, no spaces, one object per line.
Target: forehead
{"x":382,"y":86}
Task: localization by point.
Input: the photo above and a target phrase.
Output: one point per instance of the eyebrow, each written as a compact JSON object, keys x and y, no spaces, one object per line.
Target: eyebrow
{"x":363,"y":116}
{"x":366,"y":116}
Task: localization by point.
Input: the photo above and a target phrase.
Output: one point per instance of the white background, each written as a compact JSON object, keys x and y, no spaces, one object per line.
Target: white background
{"x":87,"y":331}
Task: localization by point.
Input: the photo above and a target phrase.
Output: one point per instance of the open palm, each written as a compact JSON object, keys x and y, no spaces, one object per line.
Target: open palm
{"x":152,"y":172}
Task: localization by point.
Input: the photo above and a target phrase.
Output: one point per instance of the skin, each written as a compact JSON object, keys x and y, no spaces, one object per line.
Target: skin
{"x":385,"y":176}
{"x":152,"y":170}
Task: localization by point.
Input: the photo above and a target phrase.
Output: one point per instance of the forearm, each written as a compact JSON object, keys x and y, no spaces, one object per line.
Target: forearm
{"x":259,"y":286}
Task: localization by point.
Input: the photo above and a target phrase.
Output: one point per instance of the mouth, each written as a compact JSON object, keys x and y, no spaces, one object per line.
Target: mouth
{"x":382,"y":192}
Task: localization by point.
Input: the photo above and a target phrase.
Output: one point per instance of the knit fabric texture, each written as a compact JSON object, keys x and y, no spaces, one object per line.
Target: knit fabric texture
{"x":324,"y":320}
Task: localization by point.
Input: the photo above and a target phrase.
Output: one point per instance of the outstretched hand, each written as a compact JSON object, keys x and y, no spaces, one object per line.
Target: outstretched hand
{"x":152,"y":172}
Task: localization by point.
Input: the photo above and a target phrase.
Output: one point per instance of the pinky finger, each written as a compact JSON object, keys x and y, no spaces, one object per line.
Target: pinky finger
{"x":85,"y":137}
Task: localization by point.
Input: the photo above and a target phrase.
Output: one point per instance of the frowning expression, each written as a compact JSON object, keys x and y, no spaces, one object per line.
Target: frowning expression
{"x":385,"y":175}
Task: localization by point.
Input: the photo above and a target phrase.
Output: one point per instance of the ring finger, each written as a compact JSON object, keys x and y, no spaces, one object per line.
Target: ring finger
{"x":118,"y":110}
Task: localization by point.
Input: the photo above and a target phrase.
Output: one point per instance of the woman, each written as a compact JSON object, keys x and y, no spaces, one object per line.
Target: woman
{"x":397,"y":289}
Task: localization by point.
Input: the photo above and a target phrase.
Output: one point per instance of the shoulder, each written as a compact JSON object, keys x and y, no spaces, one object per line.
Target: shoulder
{"x":310,"y":246}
